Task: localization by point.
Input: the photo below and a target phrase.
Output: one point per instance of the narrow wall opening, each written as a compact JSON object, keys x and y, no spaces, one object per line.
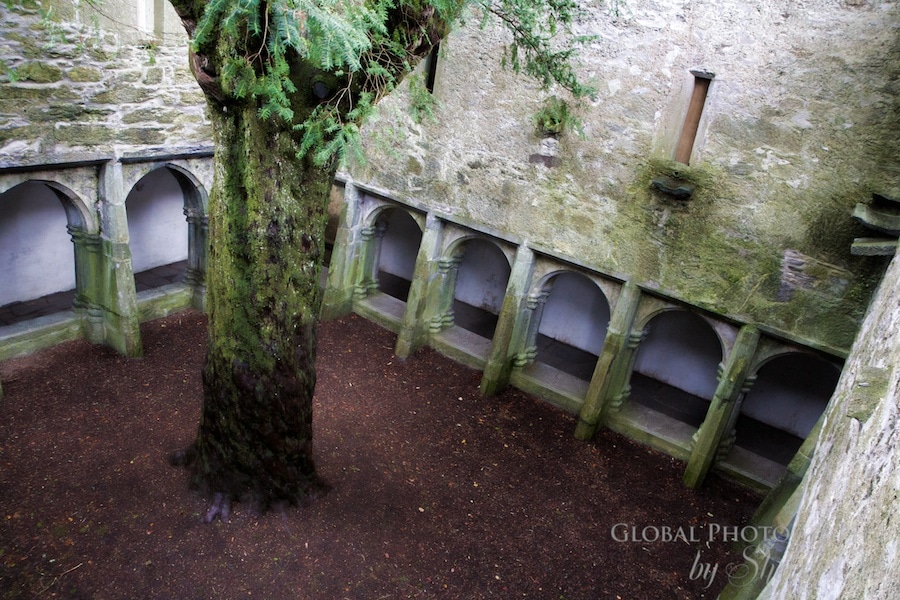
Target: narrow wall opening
{"x":675,"y":370}
{"x":431,"y":67}
{"x":157,"y":230}
{"x":37,"y":258}
{"x":702,"y":81}
{"x":573,"y":325}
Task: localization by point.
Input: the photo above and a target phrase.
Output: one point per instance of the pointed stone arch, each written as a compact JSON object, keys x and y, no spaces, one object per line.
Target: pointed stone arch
{"x":466,"y":294}
{"x":673,"y":375}
{"x":480,"y":271}
{"x":82,"y":225}
{"x":790,"y":390}
{"x":193,"y":203}
{"x":100,"y":309}
{"x":682,"y":349}
{"x":569,"y":318}
{"x":79,"y":205}
{"x":389,"y":240}
{"x":397,"y":235}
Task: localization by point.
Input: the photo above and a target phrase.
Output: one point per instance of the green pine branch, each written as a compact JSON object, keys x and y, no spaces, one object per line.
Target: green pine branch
{"x":366,"y":48}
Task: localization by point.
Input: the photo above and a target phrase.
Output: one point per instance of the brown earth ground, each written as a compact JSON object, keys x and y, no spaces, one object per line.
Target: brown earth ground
{"x":437,"y":491}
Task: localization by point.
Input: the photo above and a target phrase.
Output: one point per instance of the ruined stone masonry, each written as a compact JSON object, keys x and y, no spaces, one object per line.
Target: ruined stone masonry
{"x":696,"y":272}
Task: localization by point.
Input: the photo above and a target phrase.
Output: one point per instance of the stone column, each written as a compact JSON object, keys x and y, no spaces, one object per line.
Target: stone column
{"x":116,"y":297}
{"x":198,"y":243}
{"x":441,"y":292}
{"x":526,"y":349}
{"x":773,"y":521}
{"x":720,"y":416}
{"x":610,"y":378}
{"x":414,"y":328}
{"x":730,"y":435}
{"x":771,"y":510}
{"x":362,"y":267}
{"x":338,"y":297}
{"x":511,"y":324}
{"x":90,"y":278}
{"x":367,"y":265}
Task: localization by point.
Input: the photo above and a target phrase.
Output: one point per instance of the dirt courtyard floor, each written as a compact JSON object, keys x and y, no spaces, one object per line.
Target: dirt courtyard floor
{"x":437,"y":492}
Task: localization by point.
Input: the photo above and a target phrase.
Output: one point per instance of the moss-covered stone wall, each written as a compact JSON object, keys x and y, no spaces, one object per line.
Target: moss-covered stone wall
{"x":70,"y":84}
{"x":799,"y":125}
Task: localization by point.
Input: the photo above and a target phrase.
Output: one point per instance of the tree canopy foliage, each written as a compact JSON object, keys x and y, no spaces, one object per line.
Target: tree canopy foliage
{"x":357,"y":51}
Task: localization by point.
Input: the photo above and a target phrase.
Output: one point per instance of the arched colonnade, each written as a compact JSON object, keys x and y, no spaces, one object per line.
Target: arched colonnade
{"x":81,"y":243}
{"x":713,"y":392}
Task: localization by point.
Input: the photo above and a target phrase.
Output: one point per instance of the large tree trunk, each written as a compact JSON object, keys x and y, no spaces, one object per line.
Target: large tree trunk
{"x":267,"y":218}
{"x":267,"y":224}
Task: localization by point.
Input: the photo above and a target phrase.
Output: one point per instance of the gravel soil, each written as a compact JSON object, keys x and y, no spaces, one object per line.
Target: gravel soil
{"x":437,"y":492}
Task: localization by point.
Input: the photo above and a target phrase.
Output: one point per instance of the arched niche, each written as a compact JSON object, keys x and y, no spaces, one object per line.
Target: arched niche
{"x":789,"y":394}
{"x":167,"y":227}
{"x":572,"y":316}
{"x":39,"y":220}
{"x":676,"y":366}
{"x":480,"y":284}
{"x":398,"y":237}
{"x":75,"y":189}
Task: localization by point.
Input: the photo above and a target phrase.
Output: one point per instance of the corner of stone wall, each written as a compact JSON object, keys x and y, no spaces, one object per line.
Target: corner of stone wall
{"x":846,"y":523}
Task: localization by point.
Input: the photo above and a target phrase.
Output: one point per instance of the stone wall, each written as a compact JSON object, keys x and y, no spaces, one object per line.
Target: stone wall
{"x":800,"y":124}
{"x":798,"y":128}
{"x":70,"y":86}
{"x":846,"y":541}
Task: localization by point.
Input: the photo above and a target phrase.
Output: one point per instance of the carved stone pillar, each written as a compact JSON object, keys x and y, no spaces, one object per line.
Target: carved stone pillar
{"x":721,"y":414}
{"x":414,"y":329}
{"x":343,"y":269}
{"x":512,"y":324}
{"x":535,"y":308}
{"x":442,"y":317}
{"x":198,"y":242}
{"x":90,"y":279}
{"x":609,"y":386}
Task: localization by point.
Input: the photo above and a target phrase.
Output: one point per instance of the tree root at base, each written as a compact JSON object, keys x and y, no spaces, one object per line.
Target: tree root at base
{"x":220,"y":507}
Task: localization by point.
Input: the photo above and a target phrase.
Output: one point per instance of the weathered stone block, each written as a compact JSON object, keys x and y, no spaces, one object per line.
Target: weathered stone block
{"x":55,"y":113}
{"x":84,"y":135}
{"x":101,"y":54}
{"x":39,"y":72}
{"x":29,"y":48}
{"x":184,"y":76}
{"x":83,"y":74}
{"x":24,"y":7}
{"x":30,"y":96}
{"x":154,"y":115}
{"x":125,"y":77}
{"x":192,"y":98}
{"x":28,"y":132}
{"x":143,"y":135}
{"x":25,"y":94}
{"x":121,"y":95}
{"x":153,"y":76}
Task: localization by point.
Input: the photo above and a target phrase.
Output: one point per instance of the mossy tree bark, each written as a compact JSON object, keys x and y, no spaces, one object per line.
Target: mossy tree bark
{"x":284,"y":80}
{"x":267,"y":215}
{"x":267,"y":220}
